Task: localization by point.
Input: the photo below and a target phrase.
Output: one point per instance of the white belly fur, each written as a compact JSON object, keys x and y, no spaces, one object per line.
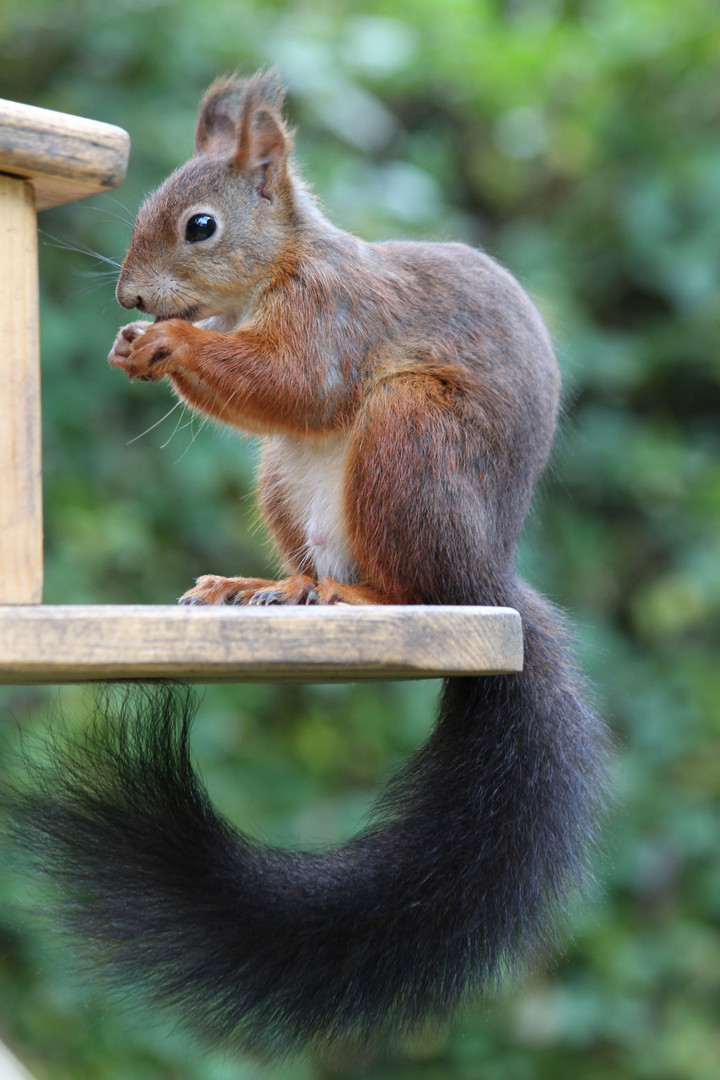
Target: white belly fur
{"x":311,"y":474}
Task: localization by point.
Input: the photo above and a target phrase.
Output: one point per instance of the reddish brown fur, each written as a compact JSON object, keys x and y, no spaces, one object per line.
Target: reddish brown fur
{"x":406,"y":395}
{"x":426,"y":360}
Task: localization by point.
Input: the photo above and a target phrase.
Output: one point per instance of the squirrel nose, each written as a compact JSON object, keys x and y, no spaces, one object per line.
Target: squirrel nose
{"x":127,"y":294}
{"x":130,"y":300}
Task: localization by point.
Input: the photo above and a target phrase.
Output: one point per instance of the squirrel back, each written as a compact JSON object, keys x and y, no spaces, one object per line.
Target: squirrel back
{"x":407,"y":396}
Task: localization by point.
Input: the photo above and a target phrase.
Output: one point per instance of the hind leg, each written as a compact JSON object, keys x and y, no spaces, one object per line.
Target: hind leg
{"x":417,"y":494}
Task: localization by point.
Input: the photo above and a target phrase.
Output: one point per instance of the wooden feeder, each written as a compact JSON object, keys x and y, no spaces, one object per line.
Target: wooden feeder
{"x":46,"y":159}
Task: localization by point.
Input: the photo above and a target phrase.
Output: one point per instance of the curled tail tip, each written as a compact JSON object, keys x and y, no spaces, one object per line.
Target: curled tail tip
{"x":281,"y":952}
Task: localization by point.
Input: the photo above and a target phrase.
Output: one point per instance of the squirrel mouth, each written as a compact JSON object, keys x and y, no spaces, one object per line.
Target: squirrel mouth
{"x":187,"y":315}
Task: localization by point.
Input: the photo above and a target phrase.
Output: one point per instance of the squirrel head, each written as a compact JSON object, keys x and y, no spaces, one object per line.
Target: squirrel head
{"x":220,"y":225}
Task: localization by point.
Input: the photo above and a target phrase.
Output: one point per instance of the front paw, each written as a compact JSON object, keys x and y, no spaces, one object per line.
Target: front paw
{"x":149,"y":351}
{"x":120,"y":353}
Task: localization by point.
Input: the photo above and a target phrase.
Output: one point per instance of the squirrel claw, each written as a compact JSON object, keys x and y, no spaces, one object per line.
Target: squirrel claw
{"x":265,"y":598}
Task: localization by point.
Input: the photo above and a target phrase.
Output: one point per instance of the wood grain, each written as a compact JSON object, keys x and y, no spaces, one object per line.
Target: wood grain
{"x":21,"y":555}
{"x":64,"y":157}
{"x":225,"y":644}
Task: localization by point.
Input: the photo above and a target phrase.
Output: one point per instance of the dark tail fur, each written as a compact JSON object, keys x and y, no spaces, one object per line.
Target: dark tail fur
{"x":472,"y":849}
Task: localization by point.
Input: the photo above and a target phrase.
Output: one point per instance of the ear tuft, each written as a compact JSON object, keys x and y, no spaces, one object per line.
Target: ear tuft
{"x":264,"y":142}
{"x":243,"y":119}
{"x":216,"y":128}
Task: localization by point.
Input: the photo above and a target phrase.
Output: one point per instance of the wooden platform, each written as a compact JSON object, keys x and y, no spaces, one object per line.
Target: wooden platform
{"x":47,"y":644}
{"x":46,"y":158}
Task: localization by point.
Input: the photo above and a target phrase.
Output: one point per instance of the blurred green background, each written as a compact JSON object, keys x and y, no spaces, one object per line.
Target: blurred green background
{"x":578,"y":141}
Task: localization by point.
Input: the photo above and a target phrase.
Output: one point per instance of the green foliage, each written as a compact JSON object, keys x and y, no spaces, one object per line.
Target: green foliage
{"x":577,"y":141}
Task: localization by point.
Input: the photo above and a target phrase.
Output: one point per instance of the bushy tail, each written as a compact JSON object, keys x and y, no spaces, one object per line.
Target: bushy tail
{"x":472,"y":848}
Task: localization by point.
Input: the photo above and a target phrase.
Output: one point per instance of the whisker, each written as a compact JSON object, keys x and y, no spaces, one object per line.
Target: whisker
{"x":156,"y":424}
{"x":204,"y":423}
{"x":125,"y":219}
{"x":109,"y":275}
{"x":65,"y":245}
{"x":193,"y":435}
{"x":86,"y":290}
{"x":107,"y":197}
{"x":174,"y":430}
{"x":178,"y":460}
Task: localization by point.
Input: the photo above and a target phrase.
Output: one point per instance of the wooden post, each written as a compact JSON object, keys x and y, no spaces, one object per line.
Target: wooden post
{"x":10,"y":1067}
{"x":21,"y":552}
{"x":46,"y":158}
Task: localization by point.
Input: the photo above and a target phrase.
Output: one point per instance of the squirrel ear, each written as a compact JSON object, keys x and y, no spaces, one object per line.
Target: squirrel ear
{"x":242,"y":119}
{"x":263,"y":146}
{"x":216,"y":130}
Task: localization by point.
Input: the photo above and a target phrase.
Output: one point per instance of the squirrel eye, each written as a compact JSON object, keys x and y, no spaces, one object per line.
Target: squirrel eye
{"x":199,"y":227}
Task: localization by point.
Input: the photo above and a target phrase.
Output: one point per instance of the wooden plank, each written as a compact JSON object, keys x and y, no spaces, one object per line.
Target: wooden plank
{"x":10,"y":1067}
{"x":255,"y":644}
{"x":64,"y":157}
{"x":21,"y":555}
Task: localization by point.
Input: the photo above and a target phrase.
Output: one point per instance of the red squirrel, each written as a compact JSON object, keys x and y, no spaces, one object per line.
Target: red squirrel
{"x":406,"y":395}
